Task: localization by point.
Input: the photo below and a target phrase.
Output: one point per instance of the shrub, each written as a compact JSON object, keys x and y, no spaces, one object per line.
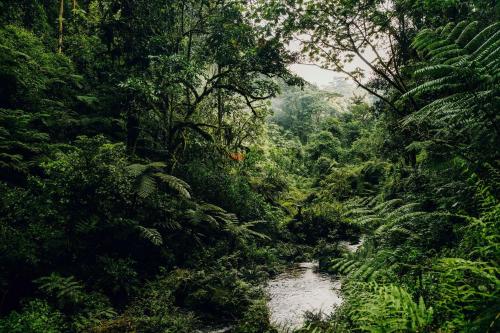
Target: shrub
{"x":36,"y":317}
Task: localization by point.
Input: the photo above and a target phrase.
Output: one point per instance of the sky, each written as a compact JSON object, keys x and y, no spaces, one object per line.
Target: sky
{"x":315,"y":75}
{"x":322,"y":77}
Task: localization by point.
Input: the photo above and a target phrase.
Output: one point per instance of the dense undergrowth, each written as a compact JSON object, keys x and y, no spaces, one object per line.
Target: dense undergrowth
{"x":149,"y":184}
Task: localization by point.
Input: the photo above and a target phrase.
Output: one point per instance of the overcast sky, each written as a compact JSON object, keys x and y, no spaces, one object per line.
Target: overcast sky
{"x":313,"y":74}
{"x":322,"y":77}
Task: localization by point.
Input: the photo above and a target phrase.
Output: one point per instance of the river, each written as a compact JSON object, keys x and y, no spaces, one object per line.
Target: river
{"x":299,"y":289}
{"x":303,"y":288}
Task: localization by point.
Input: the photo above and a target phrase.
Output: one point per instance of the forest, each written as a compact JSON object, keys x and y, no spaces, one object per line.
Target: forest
{"x":161,"y":162}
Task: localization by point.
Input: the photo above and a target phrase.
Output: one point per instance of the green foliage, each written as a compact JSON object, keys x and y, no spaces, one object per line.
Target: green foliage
{"x":252,"y":321}
{"x":63,"y":289}
{"x":91,"y":206}
{"x":301,"y":112}
{"x":391,"y":309}
{"x":227,"y":187}
{"x":149,"y":176}
{"x":471,"y":280}
{"x":323,"y":144}
{"x":407,"y":265}
{"x":36,"y":92}
{"x":460,"y":74}
{"x":36,"y":316}
{"x":344,"y":182}
{"x":321,"y":220}
{"x":151,"y":234}
{"x":147,"y":188}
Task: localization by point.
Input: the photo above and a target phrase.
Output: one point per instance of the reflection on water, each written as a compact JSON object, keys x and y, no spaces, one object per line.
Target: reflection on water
{"x":301,"y":289}
{"x":352,"y":247}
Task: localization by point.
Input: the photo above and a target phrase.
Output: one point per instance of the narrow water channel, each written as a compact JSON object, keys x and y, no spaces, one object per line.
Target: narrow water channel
{"x":297,"y":290}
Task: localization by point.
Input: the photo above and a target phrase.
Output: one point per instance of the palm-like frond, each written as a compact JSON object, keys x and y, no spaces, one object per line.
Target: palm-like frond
{"x":63,"y":288}
{"x":151,"y":234}
{"x":174,"y":183}
{"x":216,"y":217}
{"x":150,"y":176}
{"x":458,"y":84}
{"x":245,"y":230}
{"x":146,"y":186}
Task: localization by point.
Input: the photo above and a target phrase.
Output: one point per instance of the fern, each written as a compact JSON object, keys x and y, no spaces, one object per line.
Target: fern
{"x":460,"y":73}
{"x":216,"y":217}
{"x":244,"y":230}
{"x":64,"y":289}
{"x":392,"y":309}
{"x":471,"y":286}
{"x":146,"y":186}
{"x":151,"y":234}
{"x":86,"y":224}
{"x":149,"y":177}
{"x":85,"y":322}
{"x":174,"y":183}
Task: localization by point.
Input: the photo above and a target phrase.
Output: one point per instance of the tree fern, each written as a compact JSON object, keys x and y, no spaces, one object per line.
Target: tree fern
{"x":149,"y":177}
{"x":151,"y":234}
{"x":361,"y":267}
{"x":146,"y":185}
{"x":216,"y":217}
{"x":383,"y":216}
{"x":457,"y":86}
{"x":174,"y":183}
{"x":245,"y":230}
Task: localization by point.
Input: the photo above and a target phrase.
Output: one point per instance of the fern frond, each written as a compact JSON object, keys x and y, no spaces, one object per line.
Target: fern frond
{"x":467,"y":34}
{"x":63,"y":288}
{"x":151,"y":234}
{"x":392,"y":309}
{"x":457,"y":31}
{"x":245,"y":230}
{"x":385,"y":206}
{"x":481,"y":37}
{"x":149,"y":176}
{"x":136,"y":169}
{"x":491,"y":41}
{"x":435,"y":86}
{"x":435,"y":70}
{"x":147,"y":186}
{"x":174,"y":183}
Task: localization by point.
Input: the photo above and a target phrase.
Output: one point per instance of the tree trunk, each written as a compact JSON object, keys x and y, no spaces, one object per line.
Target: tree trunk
{"x":220,"y":111}
{"x":132,"y":130}
{"x":61,"y":17}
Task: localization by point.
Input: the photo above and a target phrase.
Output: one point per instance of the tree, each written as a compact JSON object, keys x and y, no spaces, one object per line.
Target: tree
{"x":302,"y":110}
{"x":208,"y":65}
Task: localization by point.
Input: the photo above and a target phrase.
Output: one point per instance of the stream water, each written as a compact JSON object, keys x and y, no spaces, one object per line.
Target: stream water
{"x":300,"y":289}
{"x":297,"y":290}
{"x":303,"y":288}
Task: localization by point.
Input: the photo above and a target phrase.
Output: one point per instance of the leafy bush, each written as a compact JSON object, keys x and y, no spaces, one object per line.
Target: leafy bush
{"x":391,"y":309}
{"x":37,"y":316}
{"x":255,"y":320}
{"x":322,"y":221}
